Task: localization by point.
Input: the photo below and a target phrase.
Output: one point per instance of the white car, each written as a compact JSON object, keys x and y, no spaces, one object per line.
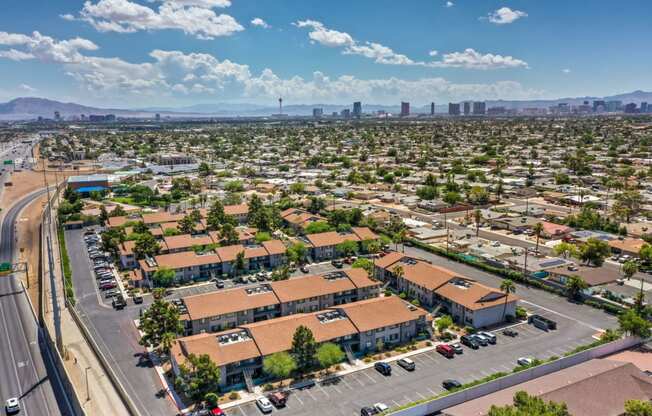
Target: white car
{"x":525,"y":361}
{"x":264,"y":405}
{"x":12,"y":406}
{"x":381,"y":407}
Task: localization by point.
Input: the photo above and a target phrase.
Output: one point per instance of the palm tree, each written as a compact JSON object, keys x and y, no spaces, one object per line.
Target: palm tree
{"x":478,"y":218}
{"x":538,"y":229}
{"x":507,"y":287}
{"x":398,"y":273}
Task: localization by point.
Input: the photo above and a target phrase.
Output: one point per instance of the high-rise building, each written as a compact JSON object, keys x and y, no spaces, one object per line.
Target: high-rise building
{"x":357,"y":109}
{"x":614,"y":106}
{"x":317,"y":112}
{"x":405,"y":109}
{"x":432,"y":109}
{"x":346,"y":113}
{"x":453,"y":109}
{"x":157,"y":117}
{"x":467,"y":108}
{"x":645,"y":107}
{"x":57,"y":116}
{"x":599,"y":106}
{"x":630,"y":108}
{"x":479,"y":108}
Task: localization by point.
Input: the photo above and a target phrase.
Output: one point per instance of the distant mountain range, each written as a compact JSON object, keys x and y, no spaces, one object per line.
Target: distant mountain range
{"x":26,"y":108}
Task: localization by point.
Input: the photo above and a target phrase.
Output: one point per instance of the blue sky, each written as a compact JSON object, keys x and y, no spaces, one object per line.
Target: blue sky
{"x":132,"y":53}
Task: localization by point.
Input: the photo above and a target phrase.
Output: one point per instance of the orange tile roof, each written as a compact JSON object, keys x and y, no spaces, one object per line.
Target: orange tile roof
{"x":309,"y":286}
{"x":381,"y":312}
{"x":208,"y":344}
{"x":229,"y":253}
{"x":425,"y":275}
{"x":251,"y":252}
{"x":182,"y":241}
{"x":389,"y":259}
{"x":364,"y":233}
{"x":160,"y":217}
{"x":117,"y":221}
{"x":186,"y":259}
{"x":227,"y":301}
{"x":274,"y":247}
{"x":360,"y":278}
{"x":236,"y":209}
{"x":330,"y":238}
{"x":276,"y":335}
{"x":474,"y":296}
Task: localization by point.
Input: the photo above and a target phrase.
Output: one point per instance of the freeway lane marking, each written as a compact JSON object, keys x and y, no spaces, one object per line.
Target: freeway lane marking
{"x":563,"y":315}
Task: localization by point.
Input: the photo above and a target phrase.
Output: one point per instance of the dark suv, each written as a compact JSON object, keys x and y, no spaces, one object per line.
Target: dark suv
{"x":383,"y":368}
{"x":469,"y":342}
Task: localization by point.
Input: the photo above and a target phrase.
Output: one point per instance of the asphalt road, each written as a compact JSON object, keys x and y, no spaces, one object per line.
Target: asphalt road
{"x":115,"y":333}
{"x":26,"y":371}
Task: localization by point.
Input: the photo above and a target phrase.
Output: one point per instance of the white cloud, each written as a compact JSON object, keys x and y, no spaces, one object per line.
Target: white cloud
{"x":468,"y":59}
{"x":257,"y":21}
{"x":170,"y":73}
{"x":566,"y":71}
{"x":193,"y":17}
{"x":505,"y":15}
{"x":449,"y":4}
{"x":43,"y":48}
{"x":27,"y":88}
{"x":471,"y":59}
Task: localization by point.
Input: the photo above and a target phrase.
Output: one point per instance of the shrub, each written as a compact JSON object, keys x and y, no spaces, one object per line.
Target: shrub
{"x":234,"y":396}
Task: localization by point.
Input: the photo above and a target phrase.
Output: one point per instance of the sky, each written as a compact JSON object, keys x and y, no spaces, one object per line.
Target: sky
{"x":139,"y":53}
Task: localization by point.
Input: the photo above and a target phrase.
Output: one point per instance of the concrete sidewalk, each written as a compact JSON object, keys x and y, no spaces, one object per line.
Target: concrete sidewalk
{"x":94,"y":388}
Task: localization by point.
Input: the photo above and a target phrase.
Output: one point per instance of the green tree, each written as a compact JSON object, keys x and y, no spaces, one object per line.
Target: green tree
{"x":594,"y":251}
{"x":370,"y":246}
{"x":297,"y":253}
{"x":526,"y":405}
{"x":566,"y":250}
{"x":199,"y":376}
{"x":444,"y":323}
{"x":279,"y":365}
{"x":229,"y":235}
{"x":187,"y":225}
{"x":507,"y":287}
{"x":478,"y":219}
{"x":205,"y":169}
{"x":638,"y":408}
{"x":160,"y":324}
{"x":329,"y":354}
{"x":645,"y":254}
{"x":347,"y":248}
{"x":452,"y":198}
{"x":538,"y":229}
{"x":240,"y":262}
{"x":304,"y":347}
{"x":366,"y":264}
{"x":632,"y":323}
{"x":628,"y":203}
{"x":146,"y":245}
{"x":163,"y":277}
{"x":317,"y":227}
{"x":316,"y":205}
{"x":262,"y":236}
{"x":574,"y":287}
{"x":215,"y":217}
{"x":427,"y":192}
{"x":630,"y":268}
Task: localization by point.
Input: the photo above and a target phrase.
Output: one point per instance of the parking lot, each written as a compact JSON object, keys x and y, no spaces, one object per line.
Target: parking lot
{"x":348,"y":394}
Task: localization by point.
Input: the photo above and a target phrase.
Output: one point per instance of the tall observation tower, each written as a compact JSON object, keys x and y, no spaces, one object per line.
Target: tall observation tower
{"x":280,"y":106}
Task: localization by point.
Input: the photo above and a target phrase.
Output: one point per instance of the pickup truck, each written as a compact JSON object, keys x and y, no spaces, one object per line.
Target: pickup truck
{"x":118,"y":302}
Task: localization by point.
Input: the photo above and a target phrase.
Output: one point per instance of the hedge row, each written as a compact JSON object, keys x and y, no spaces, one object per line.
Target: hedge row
{"x":67,"y":270}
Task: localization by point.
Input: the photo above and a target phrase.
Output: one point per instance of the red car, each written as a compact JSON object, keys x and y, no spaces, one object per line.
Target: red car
{"x":446,"y":350}
{"x":217,"y":412}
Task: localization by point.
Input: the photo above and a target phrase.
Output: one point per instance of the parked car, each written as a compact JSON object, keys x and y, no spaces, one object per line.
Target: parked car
{"x":216,"y":411}
{"x":445,"y":350}
{"x":490,"y":337}
{"x":525,"y":361}
{"x":220,"y":284}
{"x":510,"y":333}
{"x":110,"y":293}
{"x":374,"y":410}
{"x":383,"y":368}
{"x":450,"y":384}
{"x":108,"y":285}
{"x":470,"y":342}
{"x":407,"y":364}
{"x":278,"y":399}
{"x":457,"y":347}
{"x":337,"y":263}
{"x":118,"y":301}
{"x":542,"y":322}
{"x":264,"y":405}
{"x":137,"y":299}
{"x":480,"y":339}
{"x":12,"y":406}
{"x":304,"y":268}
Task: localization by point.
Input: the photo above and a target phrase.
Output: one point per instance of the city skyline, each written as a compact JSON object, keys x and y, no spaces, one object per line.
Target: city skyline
{"x":182,"y":52}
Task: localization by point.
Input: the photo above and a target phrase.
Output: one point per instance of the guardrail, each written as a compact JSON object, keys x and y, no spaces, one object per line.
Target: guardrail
{"x":453,"y":399}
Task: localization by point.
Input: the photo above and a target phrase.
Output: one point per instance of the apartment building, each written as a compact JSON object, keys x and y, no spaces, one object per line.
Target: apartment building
{"x":323,"y":246}
{"x":190,"y":265}
{"x":467,"y":301}
{"x":298,"y":219}
{"x":217,"y":311}
{"x":357,"y":327}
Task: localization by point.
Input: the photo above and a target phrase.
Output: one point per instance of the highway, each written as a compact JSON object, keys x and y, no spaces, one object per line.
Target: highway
{"x":26,"y":369}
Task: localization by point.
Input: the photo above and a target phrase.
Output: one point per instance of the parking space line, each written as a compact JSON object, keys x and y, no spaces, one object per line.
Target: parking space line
{"x":356,"y":379}
{"x":420,"y":395}
{"x":369,"y":377}
{"x":564,"y":316}
{"x":396,"y":403}
{"x":242,"y":411}
{"x":310,"y":394}
{"x":346,"y":382}
{"x":297,"y":397}
{"x":431,"y":392}
{"x":322,"y":390}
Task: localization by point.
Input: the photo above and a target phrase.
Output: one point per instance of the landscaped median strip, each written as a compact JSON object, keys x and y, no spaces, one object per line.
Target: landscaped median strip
{"x":65,"y":265}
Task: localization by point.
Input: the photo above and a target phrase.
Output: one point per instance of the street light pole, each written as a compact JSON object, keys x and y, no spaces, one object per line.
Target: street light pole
{"x":88,"y":395}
